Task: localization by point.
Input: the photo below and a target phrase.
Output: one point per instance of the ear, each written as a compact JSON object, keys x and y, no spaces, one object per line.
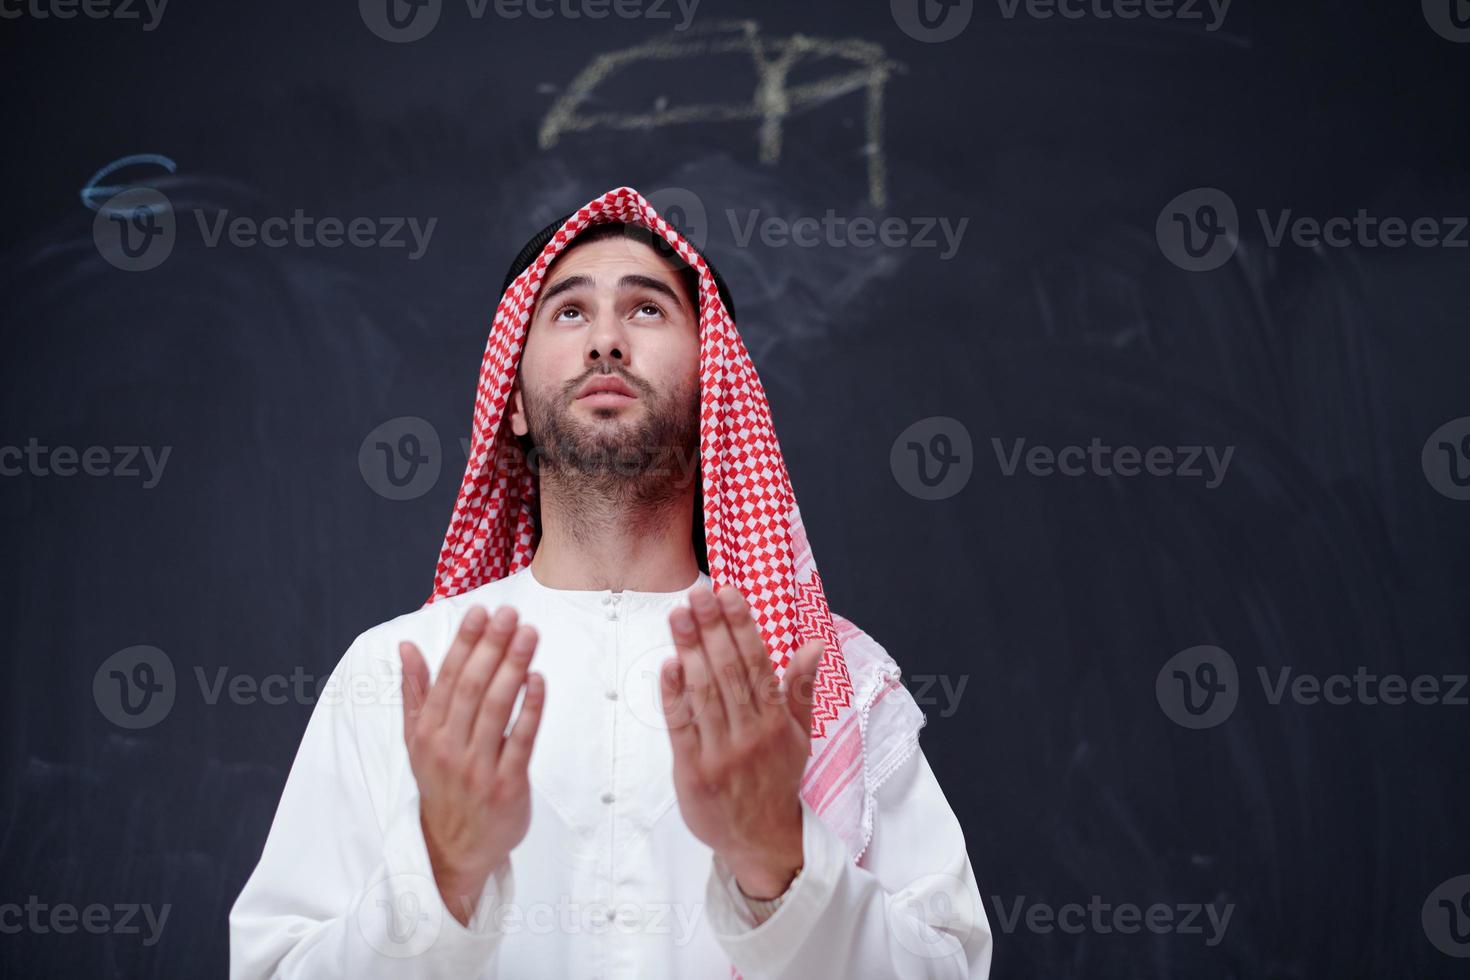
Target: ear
{"x":518,"y":411}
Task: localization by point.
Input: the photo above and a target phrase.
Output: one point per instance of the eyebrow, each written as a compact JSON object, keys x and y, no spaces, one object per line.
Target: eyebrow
{"x":631,"y":281}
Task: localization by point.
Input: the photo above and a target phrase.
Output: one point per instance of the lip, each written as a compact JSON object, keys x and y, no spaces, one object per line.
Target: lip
{"x":607,"y":388}
{"x":603,"y":399}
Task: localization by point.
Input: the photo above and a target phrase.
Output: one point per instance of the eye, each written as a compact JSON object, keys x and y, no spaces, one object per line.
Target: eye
{"x":651,"y":308}
{"x":557,"y":316}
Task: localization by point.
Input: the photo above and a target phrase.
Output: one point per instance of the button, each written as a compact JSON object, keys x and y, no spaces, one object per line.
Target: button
{"x":610,"y":695}
{"x":605,"y":600}
{"x":608,"y":797}
{"x":612,"y":614}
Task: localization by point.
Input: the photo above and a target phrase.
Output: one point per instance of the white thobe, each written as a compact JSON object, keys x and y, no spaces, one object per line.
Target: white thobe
{"x":608,"y":882}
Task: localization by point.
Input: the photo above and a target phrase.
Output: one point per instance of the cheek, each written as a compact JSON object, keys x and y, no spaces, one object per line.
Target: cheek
{"x":691,"y":367}
{"x":546,"y":365}
{"x":674,"y":372}
{"x":681,"y":361}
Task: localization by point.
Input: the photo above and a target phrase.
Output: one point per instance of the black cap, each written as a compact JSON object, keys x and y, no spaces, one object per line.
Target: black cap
{"x":538,"y":242}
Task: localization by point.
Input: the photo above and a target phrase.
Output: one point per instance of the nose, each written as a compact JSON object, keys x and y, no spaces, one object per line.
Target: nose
{"x":607,"y":342}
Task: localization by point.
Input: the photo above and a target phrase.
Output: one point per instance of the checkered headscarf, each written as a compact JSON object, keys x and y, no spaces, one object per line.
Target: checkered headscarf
{"x":864,"y":722}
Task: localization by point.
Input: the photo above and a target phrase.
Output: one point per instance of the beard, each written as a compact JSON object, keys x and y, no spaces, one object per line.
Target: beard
{"x":642,"y":462}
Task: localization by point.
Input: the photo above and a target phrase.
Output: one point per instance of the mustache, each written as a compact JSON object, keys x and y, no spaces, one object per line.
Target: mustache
{"x":637,"y":384}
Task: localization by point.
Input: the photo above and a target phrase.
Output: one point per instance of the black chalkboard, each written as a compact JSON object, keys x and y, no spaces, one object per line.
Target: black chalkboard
{"x":193,"y":464}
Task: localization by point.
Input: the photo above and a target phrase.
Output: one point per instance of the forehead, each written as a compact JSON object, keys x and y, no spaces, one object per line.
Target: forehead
{"x":608,"y":258}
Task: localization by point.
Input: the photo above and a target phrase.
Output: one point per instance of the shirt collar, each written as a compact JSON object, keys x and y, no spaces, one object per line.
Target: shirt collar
{"x":596,"y":599}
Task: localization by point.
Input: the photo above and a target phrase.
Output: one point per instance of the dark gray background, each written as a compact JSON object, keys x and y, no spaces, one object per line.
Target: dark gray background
{"x":1056,"y":600}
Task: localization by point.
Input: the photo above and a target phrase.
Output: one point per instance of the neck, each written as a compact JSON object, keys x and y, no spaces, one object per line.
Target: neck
{"x":594,"y":540}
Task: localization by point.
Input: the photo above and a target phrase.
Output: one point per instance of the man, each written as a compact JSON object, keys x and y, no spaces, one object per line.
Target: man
{"x":692,"y":782}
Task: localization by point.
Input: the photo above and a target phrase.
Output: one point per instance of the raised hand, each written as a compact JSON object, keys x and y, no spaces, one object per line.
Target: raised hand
{"x":740,"y":737}
{"x":474,"y":789}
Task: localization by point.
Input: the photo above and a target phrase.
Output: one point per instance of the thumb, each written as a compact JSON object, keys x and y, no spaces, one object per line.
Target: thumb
{"x":800,"y":682}
{"x":415,"y":685}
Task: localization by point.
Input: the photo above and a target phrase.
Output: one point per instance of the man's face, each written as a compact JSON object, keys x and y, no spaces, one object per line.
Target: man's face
{"x":612,"y":309}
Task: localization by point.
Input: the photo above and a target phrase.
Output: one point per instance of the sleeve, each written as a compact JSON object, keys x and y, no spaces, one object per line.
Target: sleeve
{"x":911,"y":910}
{"x":344,"y":887}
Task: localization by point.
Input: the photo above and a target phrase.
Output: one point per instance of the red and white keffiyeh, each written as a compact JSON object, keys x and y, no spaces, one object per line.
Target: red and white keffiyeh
{"x":864,"y":721}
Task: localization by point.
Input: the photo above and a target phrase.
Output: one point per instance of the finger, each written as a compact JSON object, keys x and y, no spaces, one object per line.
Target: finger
{"x":704,"y":699}
{"x":415,"y":686}
{"x":724,"y":663}
{"x":474,"y":677}
{"x":760,"y":673}
{"x":800,"y":682}
{"x":515,"y":758}
{"x":436,"y":707}
{"x":499,"y":697}
{"x":678,"y":712}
